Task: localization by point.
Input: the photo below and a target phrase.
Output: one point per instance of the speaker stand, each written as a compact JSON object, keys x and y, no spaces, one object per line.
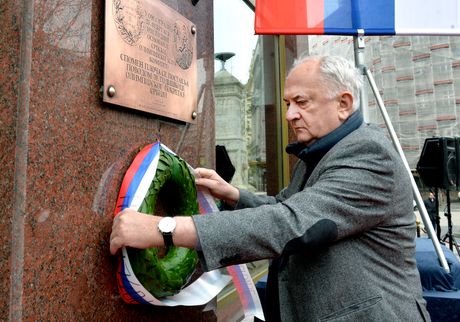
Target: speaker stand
{"x":359,"y":46}
{"x":438,"y":218}
{"x":448,"y":235}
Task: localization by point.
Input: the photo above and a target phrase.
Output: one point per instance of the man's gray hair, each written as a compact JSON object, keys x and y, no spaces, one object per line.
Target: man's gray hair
{"x":339,"y":73}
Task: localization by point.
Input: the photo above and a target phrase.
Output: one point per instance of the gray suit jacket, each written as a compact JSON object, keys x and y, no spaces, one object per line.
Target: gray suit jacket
{"x":348,"y":234}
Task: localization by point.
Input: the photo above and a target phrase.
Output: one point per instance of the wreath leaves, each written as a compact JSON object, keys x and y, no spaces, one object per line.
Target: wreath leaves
{"x":175,"y":185}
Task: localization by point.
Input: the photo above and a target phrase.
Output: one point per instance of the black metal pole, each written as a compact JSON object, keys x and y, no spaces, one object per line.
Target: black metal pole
{"x":438,"y":219}
{"x":449,"y":221}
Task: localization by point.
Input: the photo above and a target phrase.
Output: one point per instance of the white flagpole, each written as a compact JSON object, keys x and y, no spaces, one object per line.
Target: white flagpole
{"x":359,"y":60}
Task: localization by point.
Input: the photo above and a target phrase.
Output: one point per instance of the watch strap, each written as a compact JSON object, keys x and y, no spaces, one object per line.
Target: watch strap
{"x":168,"y":240}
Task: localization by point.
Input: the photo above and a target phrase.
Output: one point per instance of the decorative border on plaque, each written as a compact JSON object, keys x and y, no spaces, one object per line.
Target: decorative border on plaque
{"x":183,"y":41}
{"x":129,"y":19}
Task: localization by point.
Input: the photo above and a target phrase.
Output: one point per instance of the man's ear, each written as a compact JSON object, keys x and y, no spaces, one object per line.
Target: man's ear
{"x":345,"y":108}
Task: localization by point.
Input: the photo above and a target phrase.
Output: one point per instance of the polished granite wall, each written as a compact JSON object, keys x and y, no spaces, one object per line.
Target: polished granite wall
{"x":63,"y":153}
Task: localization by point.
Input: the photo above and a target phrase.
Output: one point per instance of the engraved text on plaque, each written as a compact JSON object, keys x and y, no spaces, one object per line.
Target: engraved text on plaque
{"x":150,"y":58}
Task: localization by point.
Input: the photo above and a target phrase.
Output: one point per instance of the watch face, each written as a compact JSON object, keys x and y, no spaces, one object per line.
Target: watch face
{"x":167,"y":225}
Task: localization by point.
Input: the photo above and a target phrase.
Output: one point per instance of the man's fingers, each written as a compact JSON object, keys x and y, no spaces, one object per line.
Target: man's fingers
{"x":116,"y":235}
{"x":204,"y":173}
{"x":113,"y":237}
{"x":114,"y":245}
{"x":208,"y":183}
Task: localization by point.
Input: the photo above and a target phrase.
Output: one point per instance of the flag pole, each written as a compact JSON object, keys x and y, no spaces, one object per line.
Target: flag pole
{"x":359,"y":46}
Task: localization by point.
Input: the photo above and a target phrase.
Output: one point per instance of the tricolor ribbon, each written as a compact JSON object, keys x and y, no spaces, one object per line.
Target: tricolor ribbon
{"x":133,"y":190}
{"x":241,"y":277}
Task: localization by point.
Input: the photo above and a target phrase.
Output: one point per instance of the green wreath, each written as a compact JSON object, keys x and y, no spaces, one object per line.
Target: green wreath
{"x":174,"y":185}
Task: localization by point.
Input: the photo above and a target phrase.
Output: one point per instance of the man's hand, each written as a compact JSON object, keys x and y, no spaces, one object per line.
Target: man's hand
{"x":218,"y":187}
{"x":134,"y":229}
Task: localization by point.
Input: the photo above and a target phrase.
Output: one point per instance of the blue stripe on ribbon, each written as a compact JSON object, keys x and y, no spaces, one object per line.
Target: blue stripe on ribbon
{"x":128,"y":288}
{"x":140,"y":172}
{"x":250,"y":301}
{"x":203,"y":202}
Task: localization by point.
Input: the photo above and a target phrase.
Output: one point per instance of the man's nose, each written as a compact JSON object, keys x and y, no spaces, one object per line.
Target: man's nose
{"x":292,"y":113}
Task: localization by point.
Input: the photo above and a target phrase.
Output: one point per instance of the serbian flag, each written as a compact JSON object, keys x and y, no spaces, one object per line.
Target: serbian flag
{"x":348,"y":17}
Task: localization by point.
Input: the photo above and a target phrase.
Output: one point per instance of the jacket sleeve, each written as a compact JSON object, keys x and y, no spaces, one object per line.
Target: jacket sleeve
{"x":251,"y":200}
{"x":355,"y":188}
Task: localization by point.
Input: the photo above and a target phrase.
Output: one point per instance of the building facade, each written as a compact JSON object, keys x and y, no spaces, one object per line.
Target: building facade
{"x":418,"y":78}
{"x":231,"y":123}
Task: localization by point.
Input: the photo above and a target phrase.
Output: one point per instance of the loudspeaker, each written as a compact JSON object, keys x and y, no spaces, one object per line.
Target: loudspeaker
{"x":439,"y":163}
{"x":224,"y":166}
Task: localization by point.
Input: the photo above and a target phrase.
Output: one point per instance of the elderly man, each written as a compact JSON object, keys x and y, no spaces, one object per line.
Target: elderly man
{"x":341,"y":234}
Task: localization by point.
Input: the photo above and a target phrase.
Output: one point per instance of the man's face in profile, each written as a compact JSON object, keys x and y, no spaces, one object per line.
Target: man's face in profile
{"x":312,"y":112}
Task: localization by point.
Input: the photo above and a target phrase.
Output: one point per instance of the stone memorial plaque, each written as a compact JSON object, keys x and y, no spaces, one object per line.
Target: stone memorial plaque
{"x":150,"y":59}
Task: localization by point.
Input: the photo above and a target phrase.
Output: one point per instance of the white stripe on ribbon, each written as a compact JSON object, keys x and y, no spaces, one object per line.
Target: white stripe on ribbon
{"x":144,"y":184}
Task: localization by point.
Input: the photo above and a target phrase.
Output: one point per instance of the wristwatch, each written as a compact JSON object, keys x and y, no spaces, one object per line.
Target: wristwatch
{"x":166,"y":227}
